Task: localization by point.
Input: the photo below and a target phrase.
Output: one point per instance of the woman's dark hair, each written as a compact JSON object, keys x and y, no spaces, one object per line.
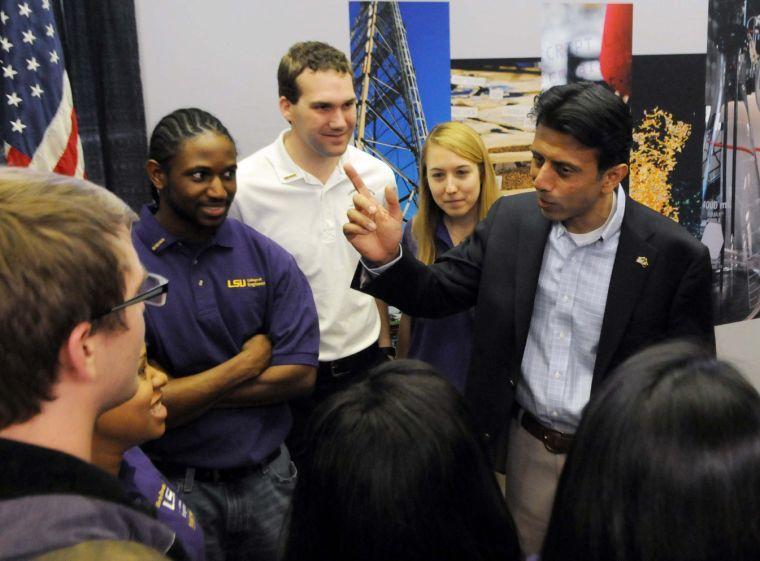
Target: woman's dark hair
{"x":665,"y":465}
{"x":393,"y":471}
{"x":593,"y":115}
{"x":177,"y":127}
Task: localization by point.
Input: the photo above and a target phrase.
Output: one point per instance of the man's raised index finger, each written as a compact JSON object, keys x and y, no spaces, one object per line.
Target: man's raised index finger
{"x":356,"y":179}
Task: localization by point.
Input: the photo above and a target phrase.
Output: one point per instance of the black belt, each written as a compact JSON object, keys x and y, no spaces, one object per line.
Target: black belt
{"x":213,"y":475}
{"x":342,"y":366}
{"x":554,"y":441}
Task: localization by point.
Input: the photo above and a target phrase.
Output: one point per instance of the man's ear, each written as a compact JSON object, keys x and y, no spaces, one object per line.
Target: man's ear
{"x":156,"y":174}
{"x":285,"y":108}
{"x":77,"y":354}
{"x":613,"y":176}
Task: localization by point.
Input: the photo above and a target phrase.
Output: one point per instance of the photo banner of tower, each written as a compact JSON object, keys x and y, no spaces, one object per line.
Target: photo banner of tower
{"x":400,"y":61}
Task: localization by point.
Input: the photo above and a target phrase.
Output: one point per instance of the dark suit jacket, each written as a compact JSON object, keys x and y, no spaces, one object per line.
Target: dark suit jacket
{"x":660,"y":288}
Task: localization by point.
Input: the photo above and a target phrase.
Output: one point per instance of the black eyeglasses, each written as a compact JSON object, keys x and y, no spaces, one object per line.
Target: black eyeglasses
{"x":152,"y":291}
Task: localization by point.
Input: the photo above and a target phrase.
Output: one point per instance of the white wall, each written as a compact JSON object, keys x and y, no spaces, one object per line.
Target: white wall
{"x":507,"y":28}
{"x":740,"y":343}
{"x":222,"y":56}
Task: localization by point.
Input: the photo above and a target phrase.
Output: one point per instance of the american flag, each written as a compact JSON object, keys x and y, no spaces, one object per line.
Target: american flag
{"x":39,"y":124}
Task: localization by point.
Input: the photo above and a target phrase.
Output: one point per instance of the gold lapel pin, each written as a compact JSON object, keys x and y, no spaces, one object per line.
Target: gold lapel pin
{"x":643,"y":261}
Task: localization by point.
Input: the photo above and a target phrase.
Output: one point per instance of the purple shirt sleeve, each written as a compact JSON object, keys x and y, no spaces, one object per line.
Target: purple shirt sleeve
{"x":293,"y":327}
{"x":140,"y":477}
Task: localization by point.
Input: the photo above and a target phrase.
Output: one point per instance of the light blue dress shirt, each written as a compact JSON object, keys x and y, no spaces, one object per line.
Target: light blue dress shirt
{"x":559,"y":357}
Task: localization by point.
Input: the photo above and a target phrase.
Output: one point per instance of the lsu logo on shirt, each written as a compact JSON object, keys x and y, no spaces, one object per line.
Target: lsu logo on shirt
{"x":167,"y":499}
{"x":251,"y":282}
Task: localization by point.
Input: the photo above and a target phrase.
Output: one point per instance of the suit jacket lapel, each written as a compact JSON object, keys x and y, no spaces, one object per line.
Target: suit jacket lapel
{"x":533,"y":233}
{"x":629,"y":274}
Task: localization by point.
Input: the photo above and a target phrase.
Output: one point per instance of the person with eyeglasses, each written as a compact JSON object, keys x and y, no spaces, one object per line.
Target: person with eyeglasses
{"x":152,"y":291}
{"x":71,"y":329}
{"x":238,"y":339}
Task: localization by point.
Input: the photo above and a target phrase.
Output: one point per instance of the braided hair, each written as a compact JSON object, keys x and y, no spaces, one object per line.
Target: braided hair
{"x":177,"y":127}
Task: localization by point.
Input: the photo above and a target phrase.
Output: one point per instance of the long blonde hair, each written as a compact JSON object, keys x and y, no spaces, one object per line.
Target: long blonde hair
{"x":465,"y":142}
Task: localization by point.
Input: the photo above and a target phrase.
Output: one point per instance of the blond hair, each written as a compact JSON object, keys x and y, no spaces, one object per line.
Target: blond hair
{"x":465,"y":142}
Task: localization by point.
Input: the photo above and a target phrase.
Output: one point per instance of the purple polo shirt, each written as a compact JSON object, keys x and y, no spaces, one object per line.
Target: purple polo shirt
{"x":446,"y":343}
{"x":221,"y":293}
{"x":140,"y":477}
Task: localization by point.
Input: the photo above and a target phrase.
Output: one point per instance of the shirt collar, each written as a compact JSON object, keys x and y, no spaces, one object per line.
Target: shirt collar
{"x":610,"y":227}
{"x":442,"y":233}
{"x":288,"y":171}
{"x":35,"y":470}
{"x":155,"y":236}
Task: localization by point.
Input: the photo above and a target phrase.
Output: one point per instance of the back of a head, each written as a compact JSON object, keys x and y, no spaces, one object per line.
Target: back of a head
{"x":394,"y":472}
{"x":98,"y":550}
{"x":591,"y":114}
{"x":59,"y":266}
{"x":665,"y":465}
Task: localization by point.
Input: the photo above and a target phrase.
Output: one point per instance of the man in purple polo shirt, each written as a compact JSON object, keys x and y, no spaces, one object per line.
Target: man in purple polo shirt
{"x":238,"y":339}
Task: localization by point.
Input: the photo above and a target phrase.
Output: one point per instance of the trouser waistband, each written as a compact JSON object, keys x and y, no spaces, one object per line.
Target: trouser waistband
{"x":554,"y":441}
{"x":214,"y":475}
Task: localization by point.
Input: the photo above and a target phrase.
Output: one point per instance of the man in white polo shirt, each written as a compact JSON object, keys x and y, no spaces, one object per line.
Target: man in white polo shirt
{"x":296,"y":192}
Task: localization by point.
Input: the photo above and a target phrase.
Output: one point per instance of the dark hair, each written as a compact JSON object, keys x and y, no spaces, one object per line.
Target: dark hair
{"x":393,"y":471}
{"x":59,"y":266}
{"x":313,"y":55}
{"x":177,"y":127}
{"x":593,"y":115}
{"x":665,"y":465}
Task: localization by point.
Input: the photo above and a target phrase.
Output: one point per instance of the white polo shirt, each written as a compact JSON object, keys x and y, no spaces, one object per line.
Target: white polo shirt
{"x":292,"y":207}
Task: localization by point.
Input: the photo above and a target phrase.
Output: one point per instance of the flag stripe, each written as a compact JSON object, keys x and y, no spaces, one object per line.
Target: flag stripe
{"x":67,"y":163}
{"x":56,"y":136}
{"x":15,"y":158}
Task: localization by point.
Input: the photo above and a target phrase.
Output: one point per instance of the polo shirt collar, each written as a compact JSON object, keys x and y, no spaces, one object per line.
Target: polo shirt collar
{"x":442,"y":234}
{"x":155,"y":236}
{"x":290,"y":172}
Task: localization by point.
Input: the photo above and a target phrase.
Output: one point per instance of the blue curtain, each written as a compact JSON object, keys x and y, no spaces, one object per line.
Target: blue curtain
{"x":100,"y":46}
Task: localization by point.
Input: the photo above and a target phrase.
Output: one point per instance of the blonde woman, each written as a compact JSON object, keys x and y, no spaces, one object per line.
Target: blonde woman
{"x":457,"y":187}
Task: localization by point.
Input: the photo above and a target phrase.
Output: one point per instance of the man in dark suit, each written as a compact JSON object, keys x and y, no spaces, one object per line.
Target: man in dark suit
{"x":567,"y":282}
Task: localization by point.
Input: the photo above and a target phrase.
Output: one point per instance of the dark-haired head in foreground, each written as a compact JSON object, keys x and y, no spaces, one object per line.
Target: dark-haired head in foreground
{"x":395,"y":473}
{"x":665,"y":465}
